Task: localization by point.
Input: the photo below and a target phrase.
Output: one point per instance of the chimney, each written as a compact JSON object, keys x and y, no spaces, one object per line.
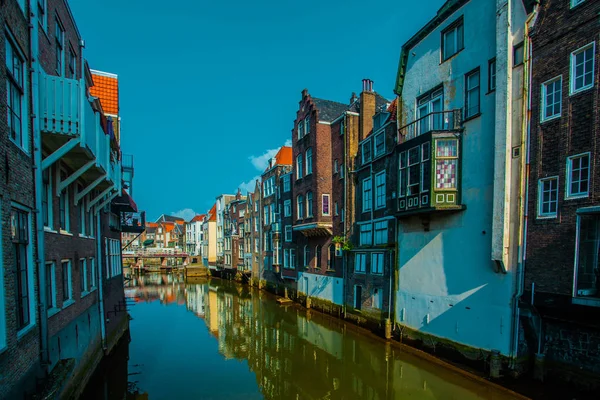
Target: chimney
{"x":367,"y":109}
{"x":353,"y":98}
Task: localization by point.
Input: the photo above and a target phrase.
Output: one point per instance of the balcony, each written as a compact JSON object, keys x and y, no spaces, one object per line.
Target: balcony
{"x":430,"y":168}
{"x":79,"y":135}
{"x":313,"y":229}
{"x":442,"y":121}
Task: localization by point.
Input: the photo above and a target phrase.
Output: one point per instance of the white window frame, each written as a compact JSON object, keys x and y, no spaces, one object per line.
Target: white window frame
{"x":379,"y":195}
{"x":309,"y":204}
{"x":544,"y":104}
{"x":360,"y":263}
{"x":287,"y":208}
{"x":376,"y":267}
{"x":300,"y":206}
{"x":379,"y":136}
{"x":367,"y":204}
{"x":328,"y":213}
{"x":540,"y":202}
{"x":458,"y":46}
{"x":572,"y":78}
{"x":568,"y":194}
{"x":288,"y":233}
{"x":83,"y":276}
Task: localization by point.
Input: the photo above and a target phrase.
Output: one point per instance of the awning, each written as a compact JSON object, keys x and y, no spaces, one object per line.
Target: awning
{"x":124,"y":202}
{"x":148,"y":242}
{"x":314,"y":229}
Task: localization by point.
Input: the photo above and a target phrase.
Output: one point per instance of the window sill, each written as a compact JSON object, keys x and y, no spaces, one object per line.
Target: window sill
{"x":490,"y":91}
{"x":84,"y":294}
{"x":53,"y":311}
{"x":18,"y":146}
{"x":474,"y":116}
{"x":577,"y":196}
{"x":49,"y":230}
{"x":451,"y":57}
{"x":546,"y":217}
{"x":549,"y":119}
{"x":594,"y":302}
{"x":68,"y":303}
{"x":360,"y":272}
{"x":66,"y":233}
{"x":571,"y":93}
{"x":25,"y":331}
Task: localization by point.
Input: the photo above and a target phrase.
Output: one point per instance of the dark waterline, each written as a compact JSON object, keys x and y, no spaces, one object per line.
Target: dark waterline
{"x":216,"y":340}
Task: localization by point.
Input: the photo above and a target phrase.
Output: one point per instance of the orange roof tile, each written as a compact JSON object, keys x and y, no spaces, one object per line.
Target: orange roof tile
{"x":198,"y":218}
{"x":283,"y":157}
{"x":152,"y":224}
{"x":213,"y":213}
{"x":106,"y":88}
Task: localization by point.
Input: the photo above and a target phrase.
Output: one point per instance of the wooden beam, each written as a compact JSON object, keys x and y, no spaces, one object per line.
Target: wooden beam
{"x":61,"y":152}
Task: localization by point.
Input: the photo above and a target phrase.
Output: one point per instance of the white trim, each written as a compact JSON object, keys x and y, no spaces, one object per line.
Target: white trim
{"x":568,"y":177}
{"x":544,"y":94}
{"x":572,"y":90}
{"x":323,"y":123}
{"x":540,"y":214}
{"x":102,"y":73}
{"x":328,"y":204}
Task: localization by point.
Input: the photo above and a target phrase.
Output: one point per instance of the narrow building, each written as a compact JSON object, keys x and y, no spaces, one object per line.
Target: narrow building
{"x":221,"y":204}
{"x":256,"y":234}
{"x":561,"y":296}
{"x":193,"y":235}
{"x":209,"y":240}
{"x":460,"y":160}
{"x":232,"y":218}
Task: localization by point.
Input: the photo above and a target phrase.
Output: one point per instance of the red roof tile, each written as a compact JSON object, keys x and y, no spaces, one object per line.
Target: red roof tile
{"x":198,"y":218}
{"x":283,"y":157}
{"x":213,"y":213}
{"x":106,"y":88}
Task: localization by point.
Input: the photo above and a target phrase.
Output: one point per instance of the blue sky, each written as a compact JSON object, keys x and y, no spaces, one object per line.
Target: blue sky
{"x":209,"y":89}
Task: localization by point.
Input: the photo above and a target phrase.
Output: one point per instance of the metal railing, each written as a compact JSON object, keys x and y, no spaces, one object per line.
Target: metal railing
{"x":435,"y":121}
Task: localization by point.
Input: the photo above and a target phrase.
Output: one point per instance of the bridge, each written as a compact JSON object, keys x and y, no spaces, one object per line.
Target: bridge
{"x":167,"y":259}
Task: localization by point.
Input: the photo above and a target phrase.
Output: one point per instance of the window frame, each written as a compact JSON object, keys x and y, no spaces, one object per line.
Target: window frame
{"x":299,"y":166}
{"x":288,"y":233}
{"x":67,"y":300}
{"x":365,"y":234}
{"x":17,"y":88}
{"x":363,"y":153}
{"x":379,"y":186}
{"x":23,"y":238}
{"x":59,"y":45}
{"x":544,"y":94}
{"x":519,"y":48}
{"x":476,"y":71}
{"x":363,"y":265}
{"x":287,"y":208}
{"x":51,"y":286}
{"x":572,"y":59}
{"x":83,"y":277}
{"x":454,"y":26}
{"x":375,"y":256}
{"x":378,"y":227}
{"x":323,"y":197}
{"x":492,"y":75}
{"x":309,"y":163}
{"x":367,"y":204}
{"x":286,"y":183}
{"x":300,"y":207}
{"x":381,"y":136}
{"x":309,"y":204}
{"x":540,"y":202}
{"x":568,"y":182}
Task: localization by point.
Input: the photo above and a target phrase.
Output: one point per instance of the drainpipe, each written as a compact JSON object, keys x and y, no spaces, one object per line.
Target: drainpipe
{"x":37,"y":171}
{"x":344,"y":212}
{"x":523,"y":209}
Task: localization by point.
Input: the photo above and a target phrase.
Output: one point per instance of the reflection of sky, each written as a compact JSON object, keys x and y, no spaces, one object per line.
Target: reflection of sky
{"x":179,"y":359}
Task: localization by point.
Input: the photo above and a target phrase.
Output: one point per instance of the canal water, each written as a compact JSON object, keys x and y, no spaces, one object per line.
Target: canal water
{"x":217,"y":340}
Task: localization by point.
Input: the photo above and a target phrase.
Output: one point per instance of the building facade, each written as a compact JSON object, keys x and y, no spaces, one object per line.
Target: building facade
{"x":193,"y":235}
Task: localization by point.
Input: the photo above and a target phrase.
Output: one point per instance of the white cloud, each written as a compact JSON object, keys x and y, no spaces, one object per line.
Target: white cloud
{"x":249,"y":186}
{"x":261,"y":162}
{"x":288,"y":143}
{"x":186,"y":213}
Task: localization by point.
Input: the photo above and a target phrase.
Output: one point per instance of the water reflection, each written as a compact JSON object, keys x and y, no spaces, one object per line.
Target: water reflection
{"x":251,"y":347}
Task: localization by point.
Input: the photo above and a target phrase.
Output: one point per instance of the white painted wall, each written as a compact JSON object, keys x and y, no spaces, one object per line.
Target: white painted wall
{"x":321,"y":287}
{"x":447,"y":284}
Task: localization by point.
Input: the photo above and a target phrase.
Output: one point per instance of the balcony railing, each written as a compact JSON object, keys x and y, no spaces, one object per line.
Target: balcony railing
{"x":65,"y":110}
{"x":435,"y":121}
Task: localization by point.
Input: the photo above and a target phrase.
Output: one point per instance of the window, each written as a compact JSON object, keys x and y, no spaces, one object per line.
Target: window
{"x":83,"y":218}
{"x":309,"y":204}
{"x":335,"y":166}
{"x":114,"y":253}
{"x":429,"y":111}
{"x":414,"y":171}
{"x":93,"y":273}
{"x":288,"y":233}
{"x":379,"y":144}
{"x":287,"y":208}
{"x":63,"y":207}
{"x":366,"y":195}
{"x":325,"y":205}
{"x":336,"y":210}
{"x":72,"y":64}
{"x":309,"y":161}
{"x":492,"y":75}
{"x":366,"y":151}
{"x":380,"y":190}
{"x":59,"y":39}
{"x":331,"y":257}
{"x":582,"y":68}
{"x":446,"y":164}
{"x":255,"y":224}
{"x":377,"y":299}
{"x":307,"y":125}
{"x":381,"y":232}
{"x":472,"y":94}
{"x":266,"y":215}
{"x":377,"y":263}
{"x":47,"y":198}
{"x":50,"y":285}
{"x":518,"y":54}
{"x":83,"y":276}
{"x":452,"y":39}
{"x":286,"y":258}
{"x":268,"y":188}
{"x":19,"y":224}
{"x":306,"y":256}
{"x":366,"y":235}
{"x":15,"y":94}
{"x":588,"y":256}
{"x":341,"y":171}
{"x":576,"y":2}
{"x":67,"y":286}
{"x":292,"y":258}
{"x":43,"y":17}
{"x":300,"y":207}
{"x":318,"y":256}
{"x":273,"y":213}
{"x":547,"y":197}
{"x":578,"y":175}
{"x":256,"y":244}
{"x":299,"y":167}
{"x":551,"y":98}
{"x":360,"y":262}
{"x":286,"y":183}
{"x":300,"y":129}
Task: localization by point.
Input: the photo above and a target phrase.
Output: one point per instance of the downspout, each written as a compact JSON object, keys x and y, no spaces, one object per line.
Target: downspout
{"x":100,"y":279}
{"x":35,"y":71}
{"x":523,"y":209}
{"x":344,"y":212}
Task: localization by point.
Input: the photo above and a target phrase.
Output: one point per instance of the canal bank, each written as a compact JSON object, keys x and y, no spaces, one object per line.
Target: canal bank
{"x":221,"y":340}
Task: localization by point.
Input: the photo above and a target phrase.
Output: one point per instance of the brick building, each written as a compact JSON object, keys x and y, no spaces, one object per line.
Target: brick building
{"x":233,"y":218}
{"x":371,"y":263}
{"x":254,"y":215}
{"x":19,"y":320}
{"x":562,"y":270}
{"x":289,"y":273}
{"x":272,"y":230}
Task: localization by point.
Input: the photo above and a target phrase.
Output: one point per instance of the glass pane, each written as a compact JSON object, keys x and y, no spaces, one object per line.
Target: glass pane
{"x":588,"y":275}
{"x":446,"y":148}
{"x":445,"y":171}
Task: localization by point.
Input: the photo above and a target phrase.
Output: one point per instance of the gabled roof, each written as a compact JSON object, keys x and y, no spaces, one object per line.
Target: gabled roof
{"x":106,"y":88}
{"x":169,"y":218}
{"x":213,"y":213}
{"x":198,"y":218}
{"x":329,"y":110}
{"x":283,"y":157}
